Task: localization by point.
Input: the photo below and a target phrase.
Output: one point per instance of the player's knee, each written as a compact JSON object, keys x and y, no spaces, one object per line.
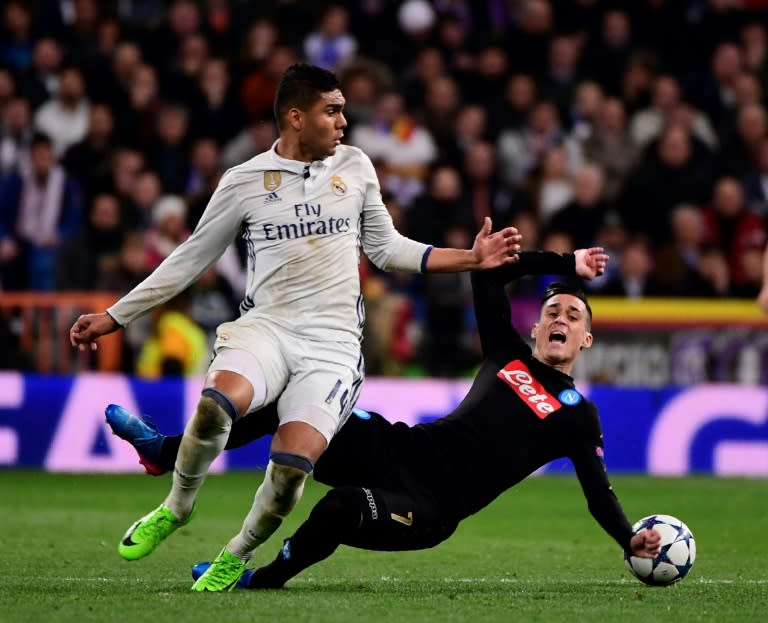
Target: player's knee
{"x":209,"y":419}
{"x":342,"y":507}
{"x":286,"y":476}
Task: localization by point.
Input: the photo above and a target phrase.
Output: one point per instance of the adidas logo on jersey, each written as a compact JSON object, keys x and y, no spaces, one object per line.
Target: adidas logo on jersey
{"x":272,"y":197}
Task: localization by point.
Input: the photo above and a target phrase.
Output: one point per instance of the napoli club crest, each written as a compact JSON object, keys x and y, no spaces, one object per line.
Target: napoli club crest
{"x":569,"y":397}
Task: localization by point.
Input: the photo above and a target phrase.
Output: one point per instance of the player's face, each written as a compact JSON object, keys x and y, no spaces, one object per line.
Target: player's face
{"x":323,"y":126}
{"x":561,"y":331}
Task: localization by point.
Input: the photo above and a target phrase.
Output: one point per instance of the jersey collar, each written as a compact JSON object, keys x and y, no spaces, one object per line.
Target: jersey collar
{"x":295,"y":166}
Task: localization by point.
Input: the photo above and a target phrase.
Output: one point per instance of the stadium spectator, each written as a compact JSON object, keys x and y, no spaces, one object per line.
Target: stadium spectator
{"x":363,"y":80}
{"x":181,"y":79}
{"x":738,"y":151}
{"x":733,"y":228}
{"x":514,"y":108}
{"x":427,"y":66}
{"x":648,"y":124}
{"x":669,"y":173}
{"x":607,"y":54}
{"x":168,"y":230}
{"x":396,"y":138}
{"x":217,"y":114}
{"x":88,"y":160}
{"x":755,"y":181}
{"x":144,"y":189}
{"x":584,"y":215}
{"x":64,"y":118}
{"x":126,"y":58}
{"x":520,"y":151}
{"x":635,"y":279}
{"x":18,"y":40}
{"x":259,"y":85}
{"x":550,"y":188}
{"x":85,"y":259}
{"x":252,"y":140}
{"x":161,"y":44}
{"x":561,"y":77}
{"x":168,"y":152}
{"x":15,"y":135}
{"x":441,"y":104}
{"x":40,"y":207}
{"x":754,"y":52}
{"x":715,"y":94}
{"x":484,"y":193}
{"x":40,"y":81}
{"x":331,"y":44}
{"x":611,"y":146}
{"x":137,"y":113}
{"x":7,"y":86}
{"x":529,"y":38}
{"x":484,"y":85}
{"x":204,"y":174}
{"x":124,"y":168}
{"x":132,"y":268}
{"x":584,"y":109}
{"x":178,"y":346}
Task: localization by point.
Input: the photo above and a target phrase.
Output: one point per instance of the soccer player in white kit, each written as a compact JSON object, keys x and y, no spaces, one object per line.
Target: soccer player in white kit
{"x":305,"y":206}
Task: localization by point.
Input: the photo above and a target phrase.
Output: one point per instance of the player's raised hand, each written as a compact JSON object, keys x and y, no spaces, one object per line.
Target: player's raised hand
{"x":590,"y":263}
{"x":495,"y":249}
{"x":646,"y":543}
{"x":88,"y":327}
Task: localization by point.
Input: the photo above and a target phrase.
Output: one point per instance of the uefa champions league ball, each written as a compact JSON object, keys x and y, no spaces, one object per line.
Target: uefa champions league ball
{"x":678,"y":552}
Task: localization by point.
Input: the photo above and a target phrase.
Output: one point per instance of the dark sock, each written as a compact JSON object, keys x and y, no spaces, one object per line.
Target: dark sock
{"x":244,"y":431}
{"x":332,"y":520}
{"x":168,"y":452}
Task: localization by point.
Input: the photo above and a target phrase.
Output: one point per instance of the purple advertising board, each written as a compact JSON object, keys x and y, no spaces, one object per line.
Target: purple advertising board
{"x":57,"y":423}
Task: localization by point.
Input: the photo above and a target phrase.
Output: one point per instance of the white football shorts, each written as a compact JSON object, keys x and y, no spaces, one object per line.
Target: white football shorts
{"x":313,"y":382}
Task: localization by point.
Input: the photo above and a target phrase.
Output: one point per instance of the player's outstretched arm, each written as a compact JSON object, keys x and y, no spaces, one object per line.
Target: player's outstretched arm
{"x":646,"y":543}
{"x":590,"y":263}
{"x":490,"y":250}
{"x":89,"y":327}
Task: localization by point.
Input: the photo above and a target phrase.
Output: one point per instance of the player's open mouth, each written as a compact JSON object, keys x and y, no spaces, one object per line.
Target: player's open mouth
{"x":557,"y":336}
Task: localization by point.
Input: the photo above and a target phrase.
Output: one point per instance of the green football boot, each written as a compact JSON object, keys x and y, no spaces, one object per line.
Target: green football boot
{"x":148,"y":532}
{"x":222,"y":575}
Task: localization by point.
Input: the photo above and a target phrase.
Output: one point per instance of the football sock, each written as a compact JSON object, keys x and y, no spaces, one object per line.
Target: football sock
{"x":275,"y":498}
{"x":204,"y":439}
{"x":331,"y":522}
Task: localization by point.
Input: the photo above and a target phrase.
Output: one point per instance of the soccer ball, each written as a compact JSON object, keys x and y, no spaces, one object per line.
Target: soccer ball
{"x":678,"y":551}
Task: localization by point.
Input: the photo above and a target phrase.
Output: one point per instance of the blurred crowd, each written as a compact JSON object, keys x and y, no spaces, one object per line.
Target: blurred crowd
{"x":639,"y":125}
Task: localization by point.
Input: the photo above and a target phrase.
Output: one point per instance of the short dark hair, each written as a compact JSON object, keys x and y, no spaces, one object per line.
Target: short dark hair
{"x":559,"y":287}
{"x":301,"y":86}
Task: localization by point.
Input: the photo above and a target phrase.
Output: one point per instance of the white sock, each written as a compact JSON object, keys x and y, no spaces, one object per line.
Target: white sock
{"x":204,"y":438}
{"x":275,"y":498}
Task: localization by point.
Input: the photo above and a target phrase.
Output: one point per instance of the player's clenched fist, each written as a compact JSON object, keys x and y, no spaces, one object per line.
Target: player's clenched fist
{"x":88,"y":327}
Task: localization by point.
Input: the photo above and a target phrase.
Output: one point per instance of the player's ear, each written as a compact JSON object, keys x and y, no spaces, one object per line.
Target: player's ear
{"x":295,"y":119}
{"x":534,"y":329}
{"x":587,"y":341}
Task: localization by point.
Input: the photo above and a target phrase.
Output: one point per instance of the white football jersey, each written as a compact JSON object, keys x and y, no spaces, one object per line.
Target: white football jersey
{"x":303,"y":225}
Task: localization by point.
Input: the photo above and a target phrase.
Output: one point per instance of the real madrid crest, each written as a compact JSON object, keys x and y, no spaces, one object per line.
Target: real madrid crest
{"x":272,"y":180}
{"x":338,"y":185}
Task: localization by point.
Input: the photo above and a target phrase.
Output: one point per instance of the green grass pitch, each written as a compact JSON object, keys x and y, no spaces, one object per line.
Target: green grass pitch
{"x":533,"y":555}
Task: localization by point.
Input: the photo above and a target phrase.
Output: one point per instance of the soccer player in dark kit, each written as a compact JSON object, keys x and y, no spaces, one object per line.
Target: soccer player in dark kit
{"x":399,"y":487}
